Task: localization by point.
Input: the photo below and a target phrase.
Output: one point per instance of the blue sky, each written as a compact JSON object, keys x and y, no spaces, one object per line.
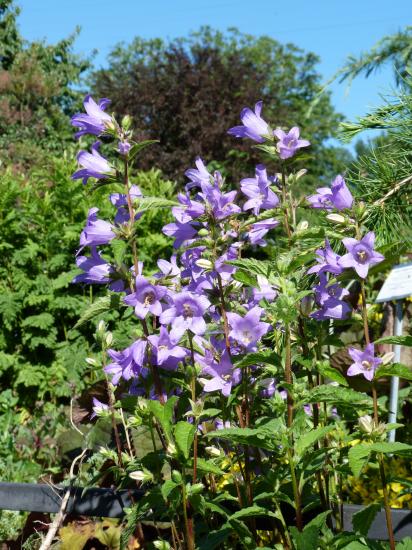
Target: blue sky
{"x":332,"y":29}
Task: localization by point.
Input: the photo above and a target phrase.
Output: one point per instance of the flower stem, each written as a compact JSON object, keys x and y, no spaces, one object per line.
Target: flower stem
{"x":285,"y":205}
{"x":296,"y":492}
{"x":288,"y":375}
{"x":376,"y":420}
{"x":193,"y":386}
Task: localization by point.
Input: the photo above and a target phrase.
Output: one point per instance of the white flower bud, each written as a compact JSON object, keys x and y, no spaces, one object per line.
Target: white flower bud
{"x":101,"y":327}
{"x":161,"y":545}
{"x":109,"y":338}
{"x":336,"y":218}
{"x":302,"y":226}
{"x":171,"y":449}
{"x":204,"y":264}
{"x":213,"y":451}
{"x":91,"y":361}
{"x":388,"y":358}
{"x":141,"y":475}
{"x":366,"y":424}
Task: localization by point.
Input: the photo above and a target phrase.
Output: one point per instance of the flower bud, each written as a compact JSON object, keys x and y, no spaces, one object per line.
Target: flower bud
{"x":366,"y":424}
{"x":101,"y":327}
{"x":388,"y":358}
{"x":176,"y":477}
{"x":213,"y":451}
{"x":203,"y":232}
{"x":91,"y":361}
{"x":336,"y":218}
{"x":126,"y":122}
{"x":171,"y":449}
{"x":141,"y":475}
{"x":161,"y":545}
{"x":204,"y":264}
{"x":109,"y":339}
{"x":302,"y":226}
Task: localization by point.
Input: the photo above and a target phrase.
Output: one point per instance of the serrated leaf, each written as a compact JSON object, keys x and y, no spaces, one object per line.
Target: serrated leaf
{"x":152,"y":203}
{"x":164,"y":414}
{"x":184,"y":434}
{"x":328,"y":371}
{"x":268,"y":357}
{"x":333,"y":394}
{"x":307,"y":539}
{"x":396,"y":369}
{"x":309,"y":438}
{"x":208,"y":467}
{"x":362,"y":520}
{"x":395,"y":447}
{"x":101,"y":305}
{"x":251,"y":512}
{"x":251,"y":265}
{"x":358,"y":457}
{"x":401,"y":340}
{"x":255,"y":437}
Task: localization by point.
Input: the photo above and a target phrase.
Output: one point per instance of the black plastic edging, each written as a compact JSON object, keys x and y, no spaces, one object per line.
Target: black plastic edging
{"x":95,"y":501}
{"x":401,"y":519}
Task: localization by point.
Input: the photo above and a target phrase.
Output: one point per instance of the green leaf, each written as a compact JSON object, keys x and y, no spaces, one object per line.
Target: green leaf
{"x":164,"y":414}
{"x":168,"y":486}
{"x":208,"y":467}
{"x":334,"y":394}
{"x":101,"y":305}
{"x":137,"y":147}
{"x":152,"y":203}
{"x":251,"y":512}
{"x":215,"y":539}
{"x":42,"y":321}
{"x":406,"y":544}
{"x":250,"y":265}
{"x":363,"y":519}
{"x":268,"y":357}
{"x":396,"y":369}
{"x":326,"y":370}
{"x":255,"y":437}
{"x":307,"y":539}
{"x":311,"y":437}
{"x":184,"y":434}
{"x":395,"y":447}
{"x":401,"y":340}
{"x":358,"y":456}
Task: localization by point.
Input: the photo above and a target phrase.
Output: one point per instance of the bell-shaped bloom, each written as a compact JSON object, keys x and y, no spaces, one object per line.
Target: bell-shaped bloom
{"x":223,"y":375}
{"x":268,"y":387}
{"x":289,"y":142}
{"x":198,"y":176}
{"x":128,"y":363}
{"x":119,"y":200}
{"x":96,"y":271}
{"x":190,"y":210}
{"x":258,"y":230}
{"x":186,"y":313}
{"x":165,"y":351}
{"x":336,"y":197}
{"x":364,"y":363}
{"x":95,"y":120}
{"x":361,"y":254}
{"x":96,"y":231}
{"x":328,"y":261}
{"x":146,"y":298}
{"x":247,"y":330}
{"x":265,"y":291}
{"x":330,"y":299}
{"x":253,"y":125}
{"x":259,"y":192}
{"x":93,"y":165}
{"x":183,"y":233}
{"x":218,"y":204}
{"x":98,"y":407}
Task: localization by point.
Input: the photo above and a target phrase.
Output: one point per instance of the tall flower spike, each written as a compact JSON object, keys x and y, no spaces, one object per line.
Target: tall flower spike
{"x":254,"y":127}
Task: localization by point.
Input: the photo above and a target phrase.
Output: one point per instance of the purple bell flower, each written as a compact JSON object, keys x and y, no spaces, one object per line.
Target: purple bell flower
{"x":249,"y":329}
{"x":365,"y":362}
{"x":361,"y":254}
{"x":166,"y":353}
{"x":96,"y":231}
{"x":330,"y":299}
{"x":254,"y":127}
{"x":186,"y":313}
{"x":95,"y":120}
{"x":146,"y":298}
{"x":259,"y":192}
{"x":328,"y":261}
{"x":96,"y":271}
{"x":183,"y":233}
{"x":338,"y":196}
{"x":258,"y":230}
{"x":98,"y":407}
{"x":119,"y":200}
{"x":124,"y":147}
{"x":289,"y":142}
{"x":128,"y":363}
{"x":94,"y":165}
{"x":223,"y":374}
{"x":198,"y":176}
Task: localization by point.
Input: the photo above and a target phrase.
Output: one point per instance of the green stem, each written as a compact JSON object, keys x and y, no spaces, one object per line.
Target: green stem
{"x":288,"y":375}
{"x":296,"y":492}
{"x":190,"y":543}
{"x":193,"y":387}
{"x":285,"y":205}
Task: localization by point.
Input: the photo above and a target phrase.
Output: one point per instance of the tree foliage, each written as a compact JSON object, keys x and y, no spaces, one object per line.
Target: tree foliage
{"x":188,"y":92}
